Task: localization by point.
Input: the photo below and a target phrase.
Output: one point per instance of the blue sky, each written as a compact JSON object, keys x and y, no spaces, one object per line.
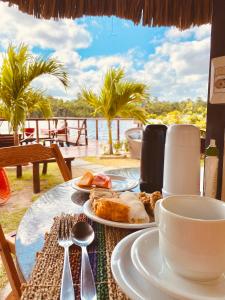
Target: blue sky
{"x":114,"y":35}
{"x":174,"y":64}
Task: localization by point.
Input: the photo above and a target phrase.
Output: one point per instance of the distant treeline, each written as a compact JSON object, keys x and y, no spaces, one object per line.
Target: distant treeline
{"x":186,"y":111}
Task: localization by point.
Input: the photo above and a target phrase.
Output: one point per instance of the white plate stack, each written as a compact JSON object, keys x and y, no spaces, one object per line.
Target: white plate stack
{"x":182,"y":161}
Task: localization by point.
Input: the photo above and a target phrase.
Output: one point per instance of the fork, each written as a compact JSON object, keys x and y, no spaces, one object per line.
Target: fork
{"x":65,"y":241}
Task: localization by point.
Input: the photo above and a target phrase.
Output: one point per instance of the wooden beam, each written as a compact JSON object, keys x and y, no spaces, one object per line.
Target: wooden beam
{"x":216,"y":112}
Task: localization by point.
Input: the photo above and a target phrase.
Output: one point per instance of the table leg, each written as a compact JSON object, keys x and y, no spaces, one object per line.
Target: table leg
{"x":68,"y":163}
{"x":45,"y":168}
{"x":19,"y":171}
{"x":36,"y":178}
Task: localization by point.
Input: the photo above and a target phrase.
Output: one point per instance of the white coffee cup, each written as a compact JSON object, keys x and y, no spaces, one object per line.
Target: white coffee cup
{"x":192,"y":235}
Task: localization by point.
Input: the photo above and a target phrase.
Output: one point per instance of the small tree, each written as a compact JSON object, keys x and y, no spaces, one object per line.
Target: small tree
{"x":118,"y":98}
{"x":18,"y":70}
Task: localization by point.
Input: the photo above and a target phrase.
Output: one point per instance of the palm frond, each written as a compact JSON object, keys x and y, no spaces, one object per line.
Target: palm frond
{"x":91,"y":98}
{"x":18,"y":112}
{"x":51,"y":67}
{"x":36,"y":100}
{"x":134,"y":111}
{"x":2,"y":110}
{"x":112,"y":77}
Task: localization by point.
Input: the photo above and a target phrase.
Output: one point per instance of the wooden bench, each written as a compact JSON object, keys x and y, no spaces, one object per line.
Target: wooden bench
{"x":6,"y":140}
{"x":36,"y":169}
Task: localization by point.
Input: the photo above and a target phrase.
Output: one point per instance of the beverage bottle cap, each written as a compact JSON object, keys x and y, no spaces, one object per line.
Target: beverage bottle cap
{"x":212,"y":143}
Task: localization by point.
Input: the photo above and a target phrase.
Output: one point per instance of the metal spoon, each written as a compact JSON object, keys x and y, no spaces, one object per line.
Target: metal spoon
{"x":83,"y":235}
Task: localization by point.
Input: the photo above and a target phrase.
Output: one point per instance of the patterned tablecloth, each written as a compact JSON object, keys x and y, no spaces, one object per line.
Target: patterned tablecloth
{"x":45,"y":279}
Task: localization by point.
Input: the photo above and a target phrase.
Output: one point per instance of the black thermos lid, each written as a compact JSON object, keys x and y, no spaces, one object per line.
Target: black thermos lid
{"x":152,"y":158}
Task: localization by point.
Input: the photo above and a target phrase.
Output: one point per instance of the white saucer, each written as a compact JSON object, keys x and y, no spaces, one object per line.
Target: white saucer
{"x":87,"y":210}
{"x":127,"y":277}
{"x":119,"y":183}
{"x":148,"y":261}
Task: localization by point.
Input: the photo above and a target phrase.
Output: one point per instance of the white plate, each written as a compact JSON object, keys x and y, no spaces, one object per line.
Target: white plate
{"x":127,"y":277}
{"x":87,"y":210}
{"x":119,"y":184}
{"x":146,"y":257}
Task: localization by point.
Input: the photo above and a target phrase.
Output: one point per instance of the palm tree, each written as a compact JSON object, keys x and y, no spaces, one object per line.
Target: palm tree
{"x":37,"y":101}
{"x":118,"y":98}
{"x":18,"y":70}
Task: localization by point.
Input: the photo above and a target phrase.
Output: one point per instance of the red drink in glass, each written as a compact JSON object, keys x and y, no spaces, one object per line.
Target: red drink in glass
{"x":4,"y":187}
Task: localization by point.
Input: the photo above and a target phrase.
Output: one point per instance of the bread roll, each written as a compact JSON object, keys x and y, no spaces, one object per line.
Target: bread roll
{"x":111,"y":209}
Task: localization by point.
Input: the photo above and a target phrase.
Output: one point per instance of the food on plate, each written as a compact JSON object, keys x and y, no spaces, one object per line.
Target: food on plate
{"x":111,"y":209}
{"x":97,"y":193}
{"x":137,"y":212}
{"x":100,"y":180}
{"x":126,"y":208}
{"x":149,"y":201}
{"x":86,"y":180}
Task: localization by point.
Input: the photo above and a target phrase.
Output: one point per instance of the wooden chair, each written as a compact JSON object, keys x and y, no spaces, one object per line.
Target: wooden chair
{"x":20,"y":155}
{"x":7,"y":248}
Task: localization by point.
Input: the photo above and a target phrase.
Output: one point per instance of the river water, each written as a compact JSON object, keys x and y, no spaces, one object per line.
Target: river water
{"x":91,"y":128}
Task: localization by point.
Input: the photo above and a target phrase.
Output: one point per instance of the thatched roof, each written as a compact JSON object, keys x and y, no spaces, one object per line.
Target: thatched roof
{"x":180,"y":13}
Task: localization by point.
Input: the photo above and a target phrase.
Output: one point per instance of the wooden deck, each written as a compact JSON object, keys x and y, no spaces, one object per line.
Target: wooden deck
{"x":92,"y":149}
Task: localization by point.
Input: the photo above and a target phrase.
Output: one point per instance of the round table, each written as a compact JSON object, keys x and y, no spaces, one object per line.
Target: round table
{"x":39,"y":218}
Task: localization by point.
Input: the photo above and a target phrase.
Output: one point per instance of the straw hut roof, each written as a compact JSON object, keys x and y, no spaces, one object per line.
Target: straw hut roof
{"x":179,"y":13}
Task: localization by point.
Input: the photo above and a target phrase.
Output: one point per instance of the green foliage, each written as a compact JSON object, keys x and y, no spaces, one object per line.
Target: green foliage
{"x":117,"y":145}
{"x":36,"y":101}
{"x":18,"y":70}
{"x":126,"y":145}
{"x":183,"y":112}
{"x":117,"y":98}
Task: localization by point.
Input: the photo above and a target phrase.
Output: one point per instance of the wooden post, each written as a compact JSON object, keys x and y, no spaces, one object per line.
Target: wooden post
{"x":19,"y":171}
{"x":45,"y":168}
{"x":49,"y":127}
{"x":37,"y":131}
{"x":36,"y":178}
{"x":96,"y":129}
{"x":216,"y":112}
{"x":118,"y":130}
{"x":66,"y":131}
{"x":86,"y":133}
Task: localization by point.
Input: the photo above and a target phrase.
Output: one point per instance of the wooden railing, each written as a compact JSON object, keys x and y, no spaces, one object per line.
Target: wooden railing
{"x":52,"y":124}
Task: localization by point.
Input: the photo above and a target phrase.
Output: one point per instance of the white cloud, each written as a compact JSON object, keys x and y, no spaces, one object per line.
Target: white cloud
{"x":87,"y":73}
{"x":202,"y":32}
{"x":198,"y":33}
{"x":176,"y":34}
{"x":18,"y":27}
{"x":178,"y":71}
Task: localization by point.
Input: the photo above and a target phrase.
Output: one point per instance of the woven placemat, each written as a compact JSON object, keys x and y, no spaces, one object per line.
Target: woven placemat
{"x":45,"y":279}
